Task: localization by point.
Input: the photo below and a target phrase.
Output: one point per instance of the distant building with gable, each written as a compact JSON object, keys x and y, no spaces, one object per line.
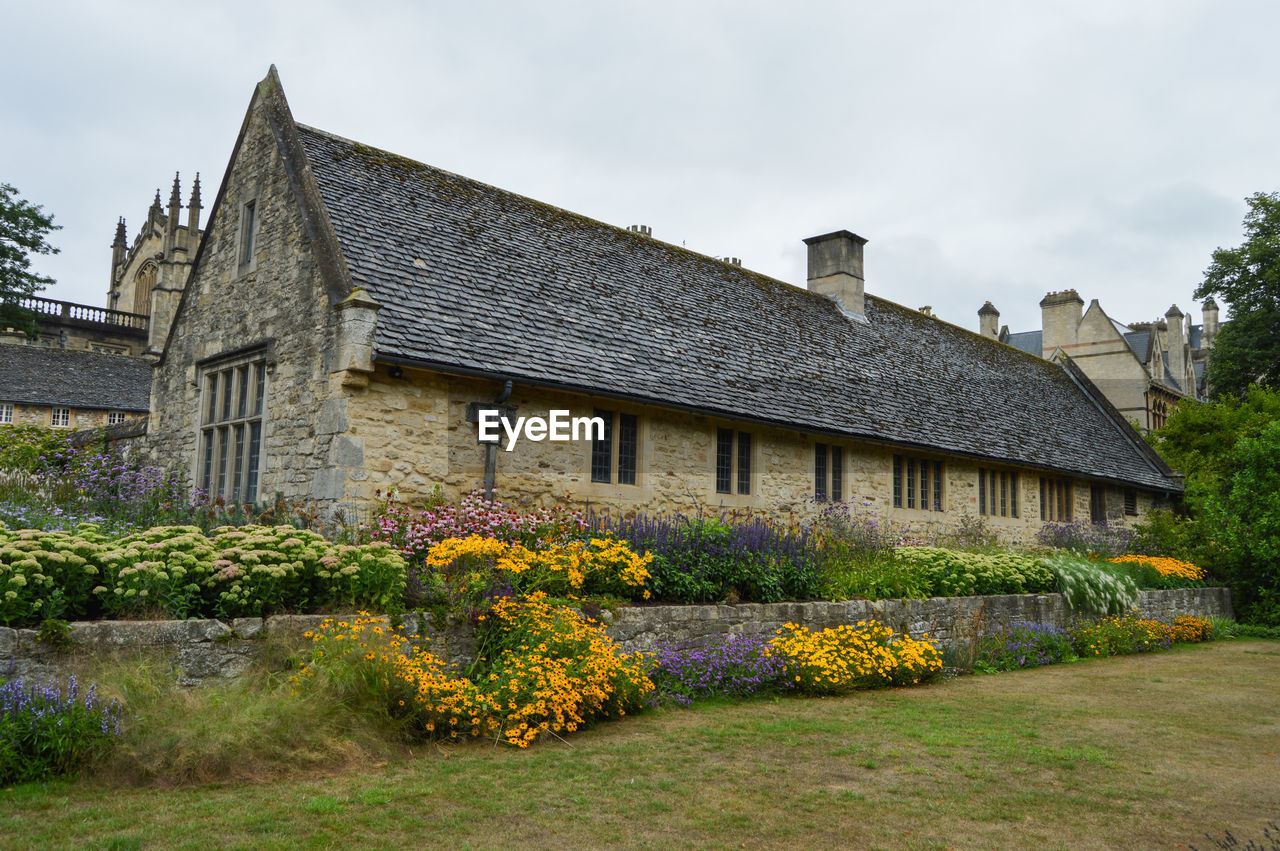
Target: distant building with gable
{"x":1143,"y":368}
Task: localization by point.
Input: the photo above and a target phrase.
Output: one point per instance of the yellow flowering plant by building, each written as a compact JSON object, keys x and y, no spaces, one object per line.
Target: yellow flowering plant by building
{"x":1170,"y":568}
{"x":465,"y":573}
{"x":840,"y":659}
{"x":543,"y":669}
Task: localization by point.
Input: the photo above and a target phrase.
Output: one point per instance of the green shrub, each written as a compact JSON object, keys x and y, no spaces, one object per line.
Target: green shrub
{"x":29,"y":447}
{"x":1094,"y":589}
{"x":952,"y":573}
{"x":1026,"y":645}
{"x":875,"y":578}
{"x":164,"y":570}
{"x":177,"y":571}
{"x":48,"y":575}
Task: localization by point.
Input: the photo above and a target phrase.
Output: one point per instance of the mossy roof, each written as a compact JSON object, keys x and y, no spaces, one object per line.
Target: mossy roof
{"x":36,"y":375}
{"x":480,"y":280}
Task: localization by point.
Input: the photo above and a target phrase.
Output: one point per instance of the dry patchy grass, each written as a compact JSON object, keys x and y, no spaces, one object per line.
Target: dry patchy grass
{"x":1142,"y":751}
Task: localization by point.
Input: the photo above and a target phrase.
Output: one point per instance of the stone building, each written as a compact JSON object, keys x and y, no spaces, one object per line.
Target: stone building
{"x":1144,"y":369}
{"x":394,"y":302}
{"x":73,"y":389}
{"x":148,"y":276}
{"x":81,"y":327}
{"x":76,"y":391}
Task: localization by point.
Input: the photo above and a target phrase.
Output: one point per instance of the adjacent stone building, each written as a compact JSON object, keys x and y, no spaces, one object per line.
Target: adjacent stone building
{"x":1144,"y":369}
{"x":66,"y":388}
{"x":351,"y":312}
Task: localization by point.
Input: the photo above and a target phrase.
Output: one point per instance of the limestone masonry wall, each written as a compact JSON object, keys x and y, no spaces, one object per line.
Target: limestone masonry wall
{"x":204,"y":651}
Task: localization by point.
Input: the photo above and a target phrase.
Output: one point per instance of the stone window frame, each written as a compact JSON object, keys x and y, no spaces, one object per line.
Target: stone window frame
{"x":60,"y":418}
{"x":734,"y":462}
{"x":6,"y":413}
{"x":999,"y":493}
{"x":915,"y":478}
{"x":115,"y":417}
{"x":828,"y":472}
{"x":232,"y":424}
{"x":616,"y":458}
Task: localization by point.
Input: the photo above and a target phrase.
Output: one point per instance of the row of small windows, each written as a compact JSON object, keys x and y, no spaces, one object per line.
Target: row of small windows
{"x":917,"y":483}
{"x":58,"y":417}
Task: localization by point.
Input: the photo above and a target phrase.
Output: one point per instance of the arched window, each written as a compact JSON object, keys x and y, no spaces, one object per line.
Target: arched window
{"x":143,"y":283}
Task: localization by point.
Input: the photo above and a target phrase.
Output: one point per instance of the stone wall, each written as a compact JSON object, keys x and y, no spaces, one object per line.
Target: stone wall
{"x":204,"y":651}
{"x":407,"y":429}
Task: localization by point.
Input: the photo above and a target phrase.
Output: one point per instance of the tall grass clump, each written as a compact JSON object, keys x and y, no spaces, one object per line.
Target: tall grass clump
{"x":1093,"y":589}
{"x":250,"y":729}
{"x":857,"y":551}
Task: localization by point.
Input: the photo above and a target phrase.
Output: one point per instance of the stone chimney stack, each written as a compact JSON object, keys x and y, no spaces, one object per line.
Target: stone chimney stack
{"x":1210,"y":329}
{"x":1177,"y":345}
{"x":835,"y":269}
{"x":1060,"y":315}
{"x":989,"y":321}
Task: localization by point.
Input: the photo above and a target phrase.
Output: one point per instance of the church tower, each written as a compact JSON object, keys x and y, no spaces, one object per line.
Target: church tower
{"x":147,"y":278}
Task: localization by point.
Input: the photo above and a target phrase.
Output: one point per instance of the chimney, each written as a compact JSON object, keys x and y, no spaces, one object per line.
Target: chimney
{"x":989,"y":321}
{"x":643,"y":230}
{"x":927,"y":310}
{"x":1060,"y":320}
{"x":835,"y":269}
{"x":1210,"y":330}
{"x":1177,"y":348}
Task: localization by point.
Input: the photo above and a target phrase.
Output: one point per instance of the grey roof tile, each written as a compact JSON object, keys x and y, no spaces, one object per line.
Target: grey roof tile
{"x":35,"y":375}
{"x":523,"y":290}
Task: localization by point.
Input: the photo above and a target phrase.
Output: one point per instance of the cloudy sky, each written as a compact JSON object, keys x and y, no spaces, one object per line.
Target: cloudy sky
{"x":987,"y":150}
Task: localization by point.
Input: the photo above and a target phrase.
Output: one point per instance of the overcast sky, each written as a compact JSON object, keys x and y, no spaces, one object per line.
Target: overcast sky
{"x":987,"y":150}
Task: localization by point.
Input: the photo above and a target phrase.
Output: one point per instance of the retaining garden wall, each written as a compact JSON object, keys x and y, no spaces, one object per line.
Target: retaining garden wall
{"x":210,"y":650}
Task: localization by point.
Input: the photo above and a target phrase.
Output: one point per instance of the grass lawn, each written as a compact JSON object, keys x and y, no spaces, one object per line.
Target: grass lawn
{"x":1141,"y":751}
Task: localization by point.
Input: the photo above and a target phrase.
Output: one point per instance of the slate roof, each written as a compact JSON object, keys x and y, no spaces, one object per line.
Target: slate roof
{"x":477,"y":280}
{"x":1140,"y":342}
{"x":1031,"y":342}
{"x":35,"y":375}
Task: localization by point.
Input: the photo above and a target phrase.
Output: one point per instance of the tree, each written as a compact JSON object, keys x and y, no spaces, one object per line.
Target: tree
{"x":1230,"y":454}
{"x":1247,"y":278}
{"x":23,"y":228}
{"x":1244,"y":517}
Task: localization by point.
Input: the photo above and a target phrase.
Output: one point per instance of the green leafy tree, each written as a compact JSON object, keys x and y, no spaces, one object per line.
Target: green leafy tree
{"x":1230,"y":454}
{"x":23,"y":231}
{"x":1197,"y":440}
{"x":1244,"y":516}
{"x":1247,"y":278}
